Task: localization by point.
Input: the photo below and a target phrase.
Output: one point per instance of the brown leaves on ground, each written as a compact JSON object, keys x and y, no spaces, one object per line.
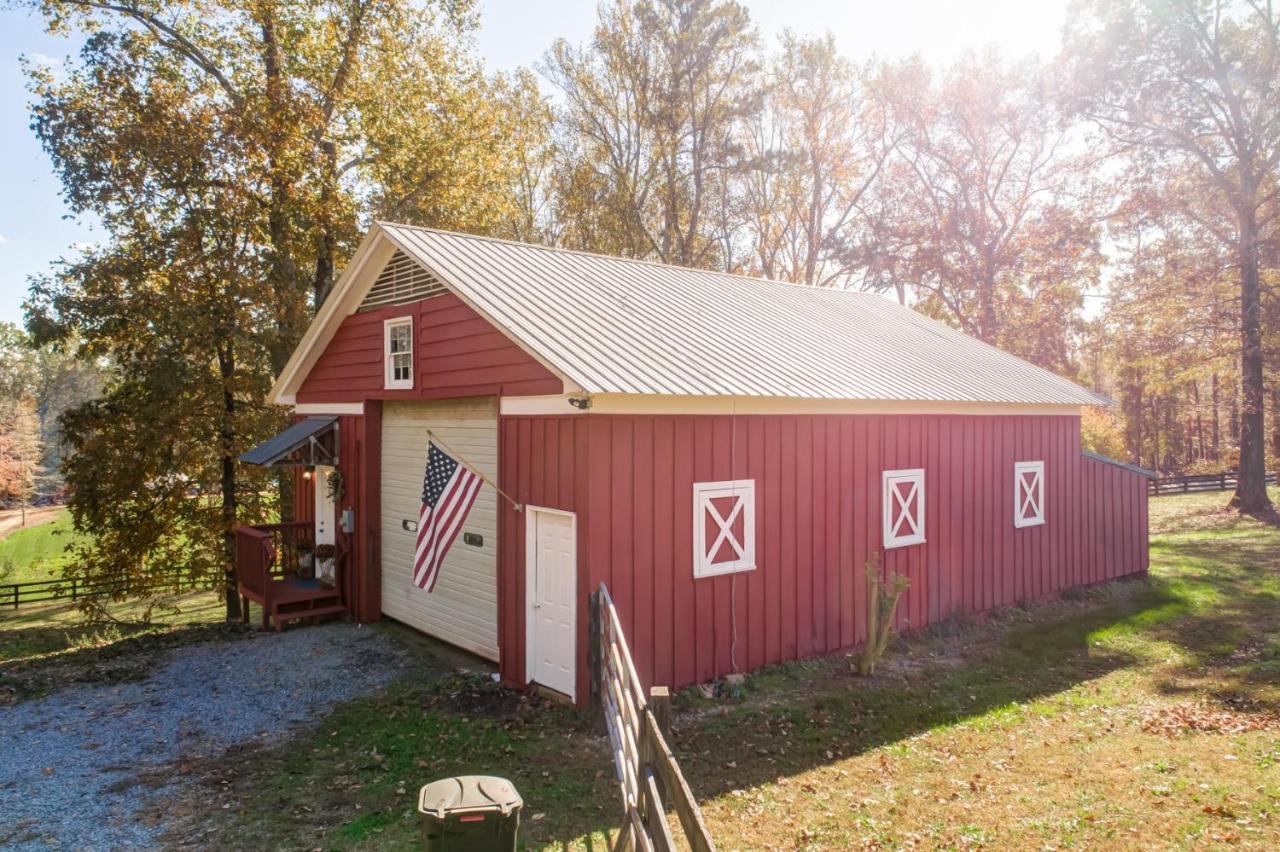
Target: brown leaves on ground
{"x":1203,"y":717}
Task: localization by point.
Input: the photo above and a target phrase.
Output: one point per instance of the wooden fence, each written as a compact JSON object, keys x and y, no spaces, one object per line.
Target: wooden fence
{"x":1198,"y":483}
{"x":15,"y":595}
{"x":649,"y":778}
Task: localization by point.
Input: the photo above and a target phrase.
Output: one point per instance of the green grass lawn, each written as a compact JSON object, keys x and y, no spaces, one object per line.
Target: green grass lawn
{"x":1070,"y":724}
{"x":37,"y":553}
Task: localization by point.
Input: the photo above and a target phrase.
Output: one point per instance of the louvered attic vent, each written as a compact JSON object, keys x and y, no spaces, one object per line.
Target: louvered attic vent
{"x":402,"y":280}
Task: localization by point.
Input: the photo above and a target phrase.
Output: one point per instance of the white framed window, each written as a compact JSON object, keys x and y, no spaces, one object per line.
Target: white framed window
{"x":1028,"y":493}
{"x":724,"y":527}
{"x":398,"y":334}
{"x":903,"y":502}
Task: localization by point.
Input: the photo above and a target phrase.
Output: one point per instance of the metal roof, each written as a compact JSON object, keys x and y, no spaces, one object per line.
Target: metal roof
{"x":282,"y":445}
{"x":613,"y":325}
{"x":1132,"y":468}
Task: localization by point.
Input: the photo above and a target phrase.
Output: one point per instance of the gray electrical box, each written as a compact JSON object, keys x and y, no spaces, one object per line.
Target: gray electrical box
{"x":348,"y":520}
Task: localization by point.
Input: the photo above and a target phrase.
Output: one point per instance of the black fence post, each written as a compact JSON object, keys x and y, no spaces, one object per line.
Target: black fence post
{"x":593,"y":651}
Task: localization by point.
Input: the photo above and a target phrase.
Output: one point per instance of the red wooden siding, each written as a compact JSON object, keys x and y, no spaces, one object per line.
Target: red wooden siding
{"x":458,"y":354}
{"x":818,"y":519}
{"x":359,"y":441}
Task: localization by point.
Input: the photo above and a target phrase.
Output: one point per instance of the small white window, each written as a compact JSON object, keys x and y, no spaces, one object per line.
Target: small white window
{"x":724,"y":527}
{"x":903,"y":507}
{"x":399,"y":352}
{"x":1028,"y":493}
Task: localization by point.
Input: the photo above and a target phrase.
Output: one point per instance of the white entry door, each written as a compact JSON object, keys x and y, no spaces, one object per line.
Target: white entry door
{"x":324,"y":505}
{"x":551,"y":591}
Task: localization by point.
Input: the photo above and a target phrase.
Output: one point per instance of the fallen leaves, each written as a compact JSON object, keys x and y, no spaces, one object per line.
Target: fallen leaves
{"x":1203,"y":717}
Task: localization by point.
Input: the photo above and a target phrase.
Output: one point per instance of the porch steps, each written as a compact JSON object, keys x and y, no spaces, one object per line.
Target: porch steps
{"x":281,"y":617}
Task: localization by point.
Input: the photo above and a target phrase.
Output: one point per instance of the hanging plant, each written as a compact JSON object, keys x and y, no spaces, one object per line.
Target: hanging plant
{"x":336,"y":487}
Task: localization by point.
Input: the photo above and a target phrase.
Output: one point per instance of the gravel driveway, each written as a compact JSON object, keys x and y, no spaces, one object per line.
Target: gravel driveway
{"x":71,"y":760}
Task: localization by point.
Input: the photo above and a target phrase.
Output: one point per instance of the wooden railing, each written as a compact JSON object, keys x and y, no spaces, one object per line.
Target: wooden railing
{"x":289,"y":542}
{"x":648,"y":775}
{"x":1198,"y":483}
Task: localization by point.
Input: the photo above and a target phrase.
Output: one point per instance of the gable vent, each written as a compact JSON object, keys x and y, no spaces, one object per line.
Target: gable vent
{"x":401,"y":280}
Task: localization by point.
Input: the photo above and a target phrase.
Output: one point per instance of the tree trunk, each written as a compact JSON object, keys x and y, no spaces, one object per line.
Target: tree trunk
{"x":326,"y":244}
{"x":290,"y":322}
{"x":227,"y":366}
{"x":987,"y":300}
{"x":1132,"y":404}
{"x":1198,"y":432}
{"x":1275,"y":422}
{"x":1216,"y":450}
{"x":1251,"y":490}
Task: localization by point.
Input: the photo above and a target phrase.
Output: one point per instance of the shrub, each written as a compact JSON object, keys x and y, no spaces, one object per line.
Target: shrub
{"x":882,"y":604}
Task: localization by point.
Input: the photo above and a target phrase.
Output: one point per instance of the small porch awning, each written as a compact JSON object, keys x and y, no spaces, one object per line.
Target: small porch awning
{"x":311,"y":441}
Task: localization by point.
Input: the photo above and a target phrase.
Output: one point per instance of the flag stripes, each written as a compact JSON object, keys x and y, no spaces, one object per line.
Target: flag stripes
{"x":449,"y":489}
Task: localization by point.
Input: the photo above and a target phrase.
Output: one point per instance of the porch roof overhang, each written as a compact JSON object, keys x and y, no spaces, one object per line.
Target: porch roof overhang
{"x":310,"y":441}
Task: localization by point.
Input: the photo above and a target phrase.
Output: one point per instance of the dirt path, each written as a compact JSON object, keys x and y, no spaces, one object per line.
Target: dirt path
{"x":11,"y":519}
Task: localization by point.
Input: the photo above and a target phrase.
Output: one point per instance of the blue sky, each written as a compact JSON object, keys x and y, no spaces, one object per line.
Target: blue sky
{"x":35,"y":230}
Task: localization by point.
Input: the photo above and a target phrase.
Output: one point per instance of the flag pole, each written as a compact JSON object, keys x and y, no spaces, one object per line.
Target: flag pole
{"x":434,"y":437}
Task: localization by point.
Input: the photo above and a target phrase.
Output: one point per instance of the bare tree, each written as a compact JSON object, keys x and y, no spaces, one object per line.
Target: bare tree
{"x":984,"y":213}
{"x":814,"y":151}
{"x":652,"y":102}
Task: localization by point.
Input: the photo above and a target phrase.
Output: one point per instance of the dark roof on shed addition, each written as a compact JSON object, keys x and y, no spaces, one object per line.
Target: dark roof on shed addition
{"x":282,"y":445}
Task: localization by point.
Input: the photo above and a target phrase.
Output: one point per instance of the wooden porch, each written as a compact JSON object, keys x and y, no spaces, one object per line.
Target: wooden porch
{"x":279,"y":568}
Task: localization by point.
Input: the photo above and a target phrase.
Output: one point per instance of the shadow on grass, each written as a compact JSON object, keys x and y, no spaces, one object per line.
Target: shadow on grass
{"x":353,"y":781}
{"x":1233,"y":636}
{"x":820,"y":711}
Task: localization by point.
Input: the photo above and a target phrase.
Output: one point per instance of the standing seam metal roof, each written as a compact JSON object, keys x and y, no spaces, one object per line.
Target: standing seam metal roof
{"x":614,"y":325}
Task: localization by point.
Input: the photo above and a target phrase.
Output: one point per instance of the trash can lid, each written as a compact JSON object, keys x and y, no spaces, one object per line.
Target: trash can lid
{"x":468,"y":794}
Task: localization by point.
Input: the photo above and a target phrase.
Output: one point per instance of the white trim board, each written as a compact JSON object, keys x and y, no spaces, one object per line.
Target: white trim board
{"x":335,"y":408}
{"x":614,"y":403}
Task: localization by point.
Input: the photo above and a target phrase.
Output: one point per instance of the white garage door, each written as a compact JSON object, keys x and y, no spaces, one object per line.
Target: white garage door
{"x":463,"y":607}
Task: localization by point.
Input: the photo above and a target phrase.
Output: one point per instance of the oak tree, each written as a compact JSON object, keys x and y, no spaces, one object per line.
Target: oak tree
{"x":1196,"y":81}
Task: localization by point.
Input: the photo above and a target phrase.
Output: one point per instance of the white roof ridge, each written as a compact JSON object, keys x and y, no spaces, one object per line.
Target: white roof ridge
{"x":614,"y":258}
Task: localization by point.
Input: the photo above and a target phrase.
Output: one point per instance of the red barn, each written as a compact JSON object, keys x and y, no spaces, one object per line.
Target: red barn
{"x":725,"y":452}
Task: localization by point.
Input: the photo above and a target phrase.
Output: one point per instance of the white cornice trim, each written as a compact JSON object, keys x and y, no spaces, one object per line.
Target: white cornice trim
{"x":614,"y":403}
{"x":337,"y":408}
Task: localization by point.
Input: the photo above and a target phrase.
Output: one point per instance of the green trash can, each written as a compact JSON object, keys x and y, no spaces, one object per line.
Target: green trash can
{"x":475,"y":813}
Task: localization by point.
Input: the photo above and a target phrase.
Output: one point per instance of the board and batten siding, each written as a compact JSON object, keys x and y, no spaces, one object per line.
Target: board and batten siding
{"x":458,"y":353}
{"x":462,"y":609}
{"x":818,"y":519}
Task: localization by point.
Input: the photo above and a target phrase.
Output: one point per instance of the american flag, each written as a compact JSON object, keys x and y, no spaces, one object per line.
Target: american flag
{"x":448,"y":490}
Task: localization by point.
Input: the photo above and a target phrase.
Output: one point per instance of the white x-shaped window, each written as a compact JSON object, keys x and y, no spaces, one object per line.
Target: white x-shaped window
{"x":903,"y":502}
{"x":724,"y":527}
{"x":1028,"y":493}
